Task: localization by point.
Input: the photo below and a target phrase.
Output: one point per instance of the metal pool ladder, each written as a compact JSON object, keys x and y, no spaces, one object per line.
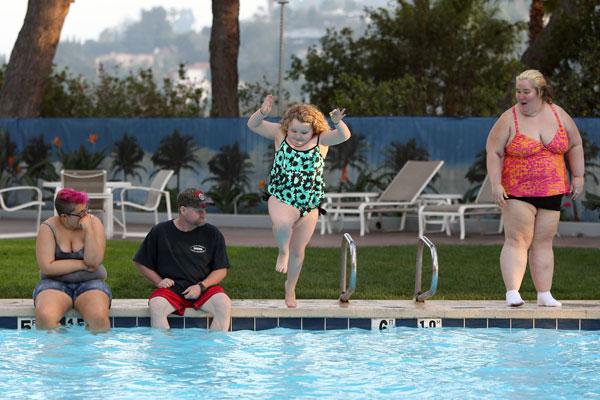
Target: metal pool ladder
{"x":347,"y":246}
{"x":419,"y":295}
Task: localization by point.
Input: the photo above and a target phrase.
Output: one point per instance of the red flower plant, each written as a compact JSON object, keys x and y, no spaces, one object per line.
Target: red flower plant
{"x":10,"y":161}
{"x":93,"y":138}
{"x":261,"y":184}
{"x":57,"y":142}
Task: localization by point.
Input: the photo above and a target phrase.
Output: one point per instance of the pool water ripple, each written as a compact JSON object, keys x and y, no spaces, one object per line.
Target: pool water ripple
{"x":134,"y":363}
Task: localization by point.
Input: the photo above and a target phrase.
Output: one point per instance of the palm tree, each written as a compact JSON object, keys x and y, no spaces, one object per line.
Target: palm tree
{"x":398,"y":154}
{"x":536,"y":19}
{"x":177,"y":152}
{"x":231,"y":169}
{"x":590,"y":155}
{"x":127,"y":155}
{"x":351,"y":153}
{"x":8,"y":160}
{"x":224,"y":48}
{"x":31,"y":59}
{"x":563,"y":14}
{"x":476,"y":175}
{"x":36,"y":157}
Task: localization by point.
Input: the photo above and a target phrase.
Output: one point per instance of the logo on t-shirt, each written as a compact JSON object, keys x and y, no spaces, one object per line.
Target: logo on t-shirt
{"x":196,"y":248}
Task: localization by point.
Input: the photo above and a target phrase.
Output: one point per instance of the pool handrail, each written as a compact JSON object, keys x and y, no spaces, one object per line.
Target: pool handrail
{"x":419,"y":295}
{"x":348,"y":245}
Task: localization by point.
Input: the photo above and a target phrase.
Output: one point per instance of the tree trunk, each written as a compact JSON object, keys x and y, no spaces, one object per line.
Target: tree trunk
{"x":536,"y":20}
{"x":544,"y":53}
{"x":224,"y":48}
{"x":31,"y":58}
{"x":548,"y":48}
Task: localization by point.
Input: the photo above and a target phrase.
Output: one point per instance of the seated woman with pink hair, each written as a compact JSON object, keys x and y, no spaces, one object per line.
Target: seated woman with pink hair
{"x":69,"y":250}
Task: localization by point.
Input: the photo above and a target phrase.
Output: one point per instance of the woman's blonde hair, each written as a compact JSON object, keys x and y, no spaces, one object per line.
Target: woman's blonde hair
{"x":539,"y":83}
{"x":305,"y":113}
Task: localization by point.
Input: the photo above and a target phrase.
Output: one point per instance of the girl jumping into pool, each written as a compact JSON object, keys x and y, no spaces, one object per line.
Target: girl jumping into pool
{"x":295,"y":188}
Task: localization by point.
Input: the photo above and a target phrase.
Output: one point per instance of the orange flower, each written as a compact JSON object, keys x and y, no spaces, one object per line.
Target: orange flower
{"x":18,"y":169}
{"x":344,"y":175}
{"x":10,"y":161}
{"x":57,"y":142}
{"x":261,"y":184}
{"x":93,"y":138}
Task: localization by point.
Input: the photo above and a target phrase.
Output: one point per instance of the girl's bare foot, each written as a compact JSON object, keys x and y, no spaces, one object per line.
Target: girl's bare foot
{"x":290,"y":296}
{"x":282,"y":263}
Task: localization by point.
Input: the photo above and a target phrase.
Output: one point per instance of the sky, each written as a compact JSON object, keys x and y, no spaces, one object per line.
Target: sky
{"x":87,"y":18}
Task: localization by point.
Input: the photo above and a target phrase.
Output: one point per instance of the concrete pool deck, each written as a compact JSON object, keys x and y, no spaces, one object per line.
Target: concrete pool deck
{"x":330,"y":314}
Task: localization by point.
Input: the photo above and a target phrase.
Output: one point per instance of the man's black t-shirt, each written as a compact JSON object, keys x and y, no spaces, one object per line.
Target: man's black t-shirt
{"x":185,"y":257}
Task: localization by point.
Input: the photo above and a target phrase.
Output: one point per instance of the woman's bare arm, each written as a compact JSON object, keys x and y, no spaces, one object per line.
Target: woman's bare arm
{"x":94,"y":241}
{"x":496,"y":141}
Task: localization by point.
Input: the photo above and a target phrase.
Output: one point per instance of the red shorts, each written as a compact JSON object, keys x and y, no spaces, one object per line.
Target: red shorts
{"x":181,"y":303}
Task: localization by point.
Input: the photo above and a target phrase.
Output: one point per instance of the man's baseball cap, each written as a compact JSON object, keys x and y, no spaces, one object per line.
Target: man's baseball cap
{"x":193,"y":197}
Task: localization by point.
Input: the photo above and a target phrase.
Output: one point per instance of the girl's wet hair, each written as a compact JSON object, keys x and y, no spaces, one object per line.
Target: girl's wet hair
{"x":67,"y":198}
{"x":305,"y":113}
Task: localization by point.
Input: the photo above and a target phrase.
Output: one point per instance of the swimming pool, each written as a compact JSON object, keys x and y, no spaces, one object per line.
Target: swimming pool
{"x":136,"y":363}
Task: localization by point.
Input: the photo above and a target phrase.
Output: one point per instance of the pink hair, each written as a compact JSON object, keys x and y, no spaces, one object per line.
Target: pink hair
{"x":72,"y":196}
{"x":67,"y":198}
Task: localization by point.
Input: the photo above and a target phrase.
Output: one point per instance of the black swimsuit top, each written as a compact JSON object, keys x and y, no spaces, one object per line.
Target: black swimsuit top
{"x":63,"y":255}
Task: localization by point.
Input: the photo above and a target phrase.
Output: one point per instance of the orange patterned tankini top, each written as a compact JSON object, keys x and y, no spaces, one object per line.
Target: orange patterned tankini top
{"x":534,"y":169}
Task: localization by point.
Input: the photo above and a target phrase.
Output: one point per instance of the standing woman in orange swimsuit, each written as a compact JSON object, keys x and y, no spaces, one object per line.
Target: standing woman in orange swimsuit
{"x":525,"y":163}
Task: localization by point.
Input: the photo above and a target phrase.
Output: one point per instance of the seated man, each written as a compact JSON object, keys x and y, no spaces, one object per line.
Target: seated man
{"x":185,"y":259}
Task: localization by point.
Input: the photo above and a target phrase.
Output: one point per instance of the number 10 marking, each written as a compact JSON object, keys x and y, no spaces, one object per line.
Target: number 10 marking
{"x":429,"y":323}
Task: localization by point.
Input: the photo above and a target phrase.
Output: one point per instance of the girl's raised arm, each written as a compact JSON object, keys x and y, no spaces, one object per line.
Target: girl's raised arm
{"x":257,"y":124}
{"x":340,"y":134}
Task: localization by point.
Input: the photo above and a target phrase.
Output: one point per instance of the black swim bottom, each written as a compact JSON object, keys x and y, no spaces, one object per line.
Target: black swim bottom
{"x":547,"y":203}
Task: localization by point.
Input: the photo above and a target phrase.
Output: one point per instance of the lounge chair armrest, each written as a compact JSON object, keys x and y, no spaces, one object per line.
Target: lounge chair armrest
{"x":16,"y":188}
{"x":347,"y":196}
{"x":37,"y":201}
{"x":479,"y":206}
{"x":143,"y":188}
{"x":122,"y":200}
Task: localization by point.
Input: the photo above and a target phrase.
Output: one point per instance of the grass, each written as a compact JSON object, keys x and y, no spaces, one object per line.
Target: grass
{"x":467,"y":272}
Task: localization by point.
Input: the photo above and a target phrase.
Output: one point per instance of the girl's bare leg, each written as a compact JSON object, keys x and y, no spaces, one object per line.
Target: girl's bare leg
{"x":303,"y":231}
{"x":283,"y":217}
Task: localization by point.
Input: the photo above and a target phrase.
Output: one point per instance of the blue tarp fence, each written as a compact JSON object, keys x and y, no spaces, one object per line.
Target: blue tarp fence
{"x":457,"y":141}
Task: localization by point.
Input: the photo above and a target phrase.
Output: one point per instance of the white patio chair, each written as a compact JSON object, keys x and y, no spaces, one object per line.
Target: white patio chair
{"x":401,"y":196}
{"x":483,"y":205}
{"x":153,"y":196}
{"x":37,"y":202}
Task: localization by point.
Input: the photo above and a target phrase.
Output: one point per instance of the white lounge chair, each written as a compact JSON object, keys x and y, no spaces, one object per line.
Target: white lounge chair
{"x":37,"y":202}
{"x":483,"y":205}
{"x":400,"y":196}
{"x":153,"y":196}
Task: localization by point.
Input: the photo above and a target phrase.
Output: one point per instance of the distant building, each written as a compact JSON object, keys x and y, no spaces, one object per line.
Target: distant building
{"x":126,"y":60}
{"x":198,"y":76}
{"x":198,"y":71}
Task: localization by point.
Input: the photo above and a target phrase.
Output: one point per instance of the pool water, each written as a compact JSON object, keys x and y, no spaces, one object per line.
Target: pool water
{"x":141,"y":363}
